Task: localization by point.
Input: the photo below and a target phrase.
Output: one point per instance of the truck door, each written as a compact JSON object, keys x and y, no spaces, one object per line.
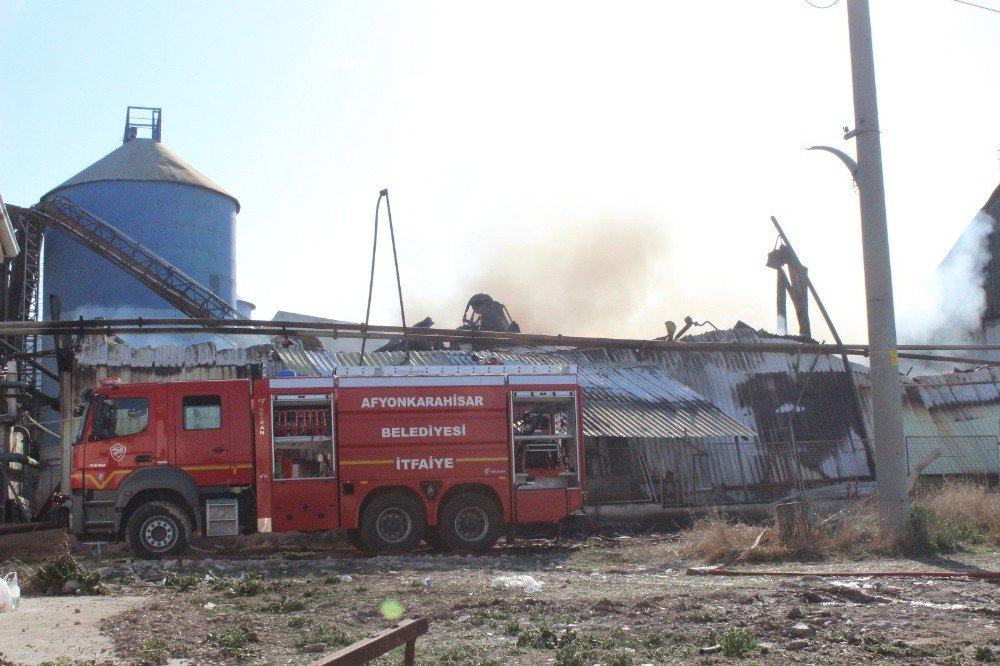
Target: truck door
{"x":304,"y":488}
{"x":202,"y":425}
{"x":122,"y":439}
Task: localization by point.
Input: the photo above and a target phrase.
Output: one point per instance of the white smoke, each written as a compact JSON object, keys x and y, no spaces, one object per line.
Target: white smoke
{"x":951,"y":308}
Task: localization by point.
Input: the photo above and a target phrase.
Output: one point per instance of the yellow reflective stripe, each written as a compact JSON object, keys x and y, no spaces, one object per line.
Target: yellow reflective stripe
{"x":392,"y":461}
{"x":101,"y":485}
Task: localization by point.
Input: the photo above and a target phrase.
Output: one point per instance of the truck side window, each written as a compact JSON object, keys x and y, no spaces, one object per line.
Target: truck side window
{"x":202,"y":412}
{"x":119,"y":417}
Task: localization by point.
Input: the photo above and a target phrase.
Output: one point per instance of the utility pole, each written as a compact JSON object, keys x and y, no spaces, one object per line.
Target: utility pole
{"x":891,"y":467}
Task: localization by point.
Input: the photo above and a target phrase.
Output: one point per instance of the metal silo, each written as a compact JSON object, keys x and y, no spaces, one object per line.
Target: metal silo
{"x":158,"y":199}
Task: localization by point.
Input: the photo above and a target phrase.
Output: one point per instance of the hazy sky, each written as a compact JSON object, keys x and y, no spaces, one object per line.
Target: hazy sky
{"x":598,"y":167}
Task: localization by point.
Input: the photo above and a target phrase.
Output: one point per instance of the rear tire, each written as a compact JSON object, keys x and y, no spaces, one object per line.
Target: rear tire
{"x":470,"y":521}
{"x":158,"y":529}
{"x":392,"y":522}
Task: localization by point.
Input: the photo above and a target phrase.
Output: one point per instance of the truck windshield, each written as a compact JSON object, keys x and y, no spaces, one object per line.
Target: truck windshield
{"x":83,"y":421}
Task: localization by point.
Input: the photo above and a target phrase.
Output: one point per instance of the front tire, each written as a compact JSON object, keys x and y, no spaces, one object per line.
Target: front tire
{"x":392,"y":522}
{"x":470,"y":521}
{"x":158,"y":529}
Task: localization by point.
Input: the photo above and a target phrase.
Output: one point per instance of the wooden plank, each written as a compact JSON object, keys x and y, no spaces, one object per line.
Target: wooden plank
{"x":406,"y":632}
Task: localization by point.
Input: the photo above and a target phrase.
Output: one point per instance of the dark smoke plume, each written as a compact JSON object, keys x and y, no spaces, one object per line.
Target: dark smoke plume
{"x":600,"y":277}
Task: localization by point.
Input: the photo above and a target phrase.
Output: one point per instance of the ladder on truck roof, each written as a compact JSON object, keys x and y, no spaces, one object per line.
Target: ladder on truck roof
{"x":163,"y":278}
{"x":450,"y":370}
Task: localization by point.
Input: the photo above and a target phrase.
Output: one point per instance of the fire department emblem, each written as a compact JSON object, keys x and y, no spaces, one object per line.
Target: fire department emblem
{"x":118,"y":452}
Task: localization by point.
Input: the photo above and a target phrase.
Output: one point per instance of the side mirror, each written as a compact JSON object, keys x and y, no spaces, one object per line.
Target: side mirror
{"x":78,"y":410}
{"x":92,"y":438}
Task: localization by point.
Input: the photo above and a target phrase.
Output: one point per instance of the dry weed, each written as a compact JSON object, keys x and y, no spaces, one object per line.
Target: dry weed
{"x":949,"y":517}
{"x":715,"y":539}
{"x":973,"y":506}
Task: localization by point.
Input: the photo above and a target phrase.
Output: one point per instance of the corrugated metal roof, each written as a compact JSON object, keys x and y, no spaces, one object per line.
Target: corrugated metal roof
{"x":621,"y":401}
{"x":144,"y":160}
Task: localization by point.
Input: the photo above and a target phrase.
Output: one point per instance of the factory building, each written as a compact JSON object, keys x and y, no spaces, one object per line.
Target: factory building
{"x":668,"y":433}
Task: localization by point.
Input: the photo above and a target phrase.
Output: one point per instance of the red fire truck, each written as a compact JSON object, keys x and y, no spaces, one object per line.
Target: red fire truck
{"x":393,"y":455}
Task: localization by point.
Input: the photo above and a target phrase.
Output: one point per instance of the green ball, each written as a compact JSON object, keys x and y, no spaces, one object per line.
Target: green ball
{"x":391,"y":609}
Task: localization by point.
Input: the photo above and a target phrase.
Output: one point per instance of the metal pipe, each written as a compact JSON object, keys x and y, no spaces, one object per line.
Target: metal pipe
{"x":855,"y":394}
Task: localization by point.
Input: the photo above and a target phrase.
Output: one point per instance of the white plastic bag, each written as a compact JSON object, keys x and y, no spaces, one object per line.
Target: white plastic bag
{"x":5,"y":598}
{"x":14,"y":589}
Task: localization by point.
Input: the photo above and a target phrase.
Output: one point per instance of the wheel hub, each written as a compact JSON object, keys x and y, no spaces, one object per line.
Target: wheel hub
{"x":159,"y":533}
{"x":394,"y":525}
{"x":472,"y":524}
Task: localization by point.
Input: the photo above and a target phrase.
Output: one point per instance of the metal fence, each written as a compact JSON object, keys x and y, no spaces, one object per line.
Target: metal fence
{"x":967,"y":456}
{"x":691,"y":472}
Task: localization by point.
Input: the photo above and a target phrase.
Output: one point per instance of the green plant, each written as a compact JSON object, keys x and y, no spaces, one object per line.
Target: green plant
{"x":154,"y":651}
{"x":250,"y":584}
{"x":182,"y":583}
{"x":236,"y":642}
{"x":573,"y":654}
{"x":512,"y":627}
{"x":322,"y":634}
{"x":544,"y":637}
{"x":332,"y":579}
{"x":985,"y":653}
{"x":737,"y":643}
{"x":298,"y":622}
{"x":836,"y":636}
{"x":53,"y":574}
{"x":284,"y":605}
{"x":620,"y":657}
{"x":875,"y":643}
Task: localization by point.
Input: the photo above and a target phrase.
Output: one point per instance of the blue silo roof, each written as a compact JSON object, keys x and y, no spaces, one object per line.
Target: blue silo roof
{"x":144,"y":160}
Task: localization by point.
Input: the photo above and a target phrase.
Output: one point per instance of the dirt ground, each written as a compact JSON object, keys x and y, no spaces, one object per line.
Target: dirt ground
{"x":579,"y":602}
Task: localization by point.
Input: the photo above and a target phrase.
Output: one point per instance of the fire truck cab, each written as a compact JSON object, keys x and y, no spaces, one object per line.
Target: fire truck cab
{"x":452,"y":456}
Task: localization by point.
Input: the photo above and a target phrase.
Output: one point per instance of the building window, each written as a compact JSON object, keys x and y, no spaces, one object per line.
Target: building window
{"x":202,"y":412}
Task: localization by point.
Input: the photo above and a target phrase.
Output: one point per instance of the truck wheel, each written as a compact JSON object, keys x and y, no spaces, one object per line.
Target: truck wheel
{"x":156,"y":529}
{"x":470,"y":521}
{"x":392,"y":522}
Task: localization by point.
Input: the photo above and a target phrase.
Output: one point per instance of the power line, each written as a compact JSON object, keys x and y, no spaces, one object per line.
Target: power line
{"x":972,"y":4}
{"x":812,"y":4}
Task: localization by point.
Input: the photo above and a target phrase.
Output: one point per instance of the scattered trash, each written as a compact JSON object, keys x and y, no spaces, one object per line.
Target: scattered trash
{"x":428,"y":582}
{"x":209,"y":606}
{"x":10,"y":592}
{"x":800,"y":630}
{"x":710,"y":649}
{"x":529,"y":584}
{"x":346,"y":578}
